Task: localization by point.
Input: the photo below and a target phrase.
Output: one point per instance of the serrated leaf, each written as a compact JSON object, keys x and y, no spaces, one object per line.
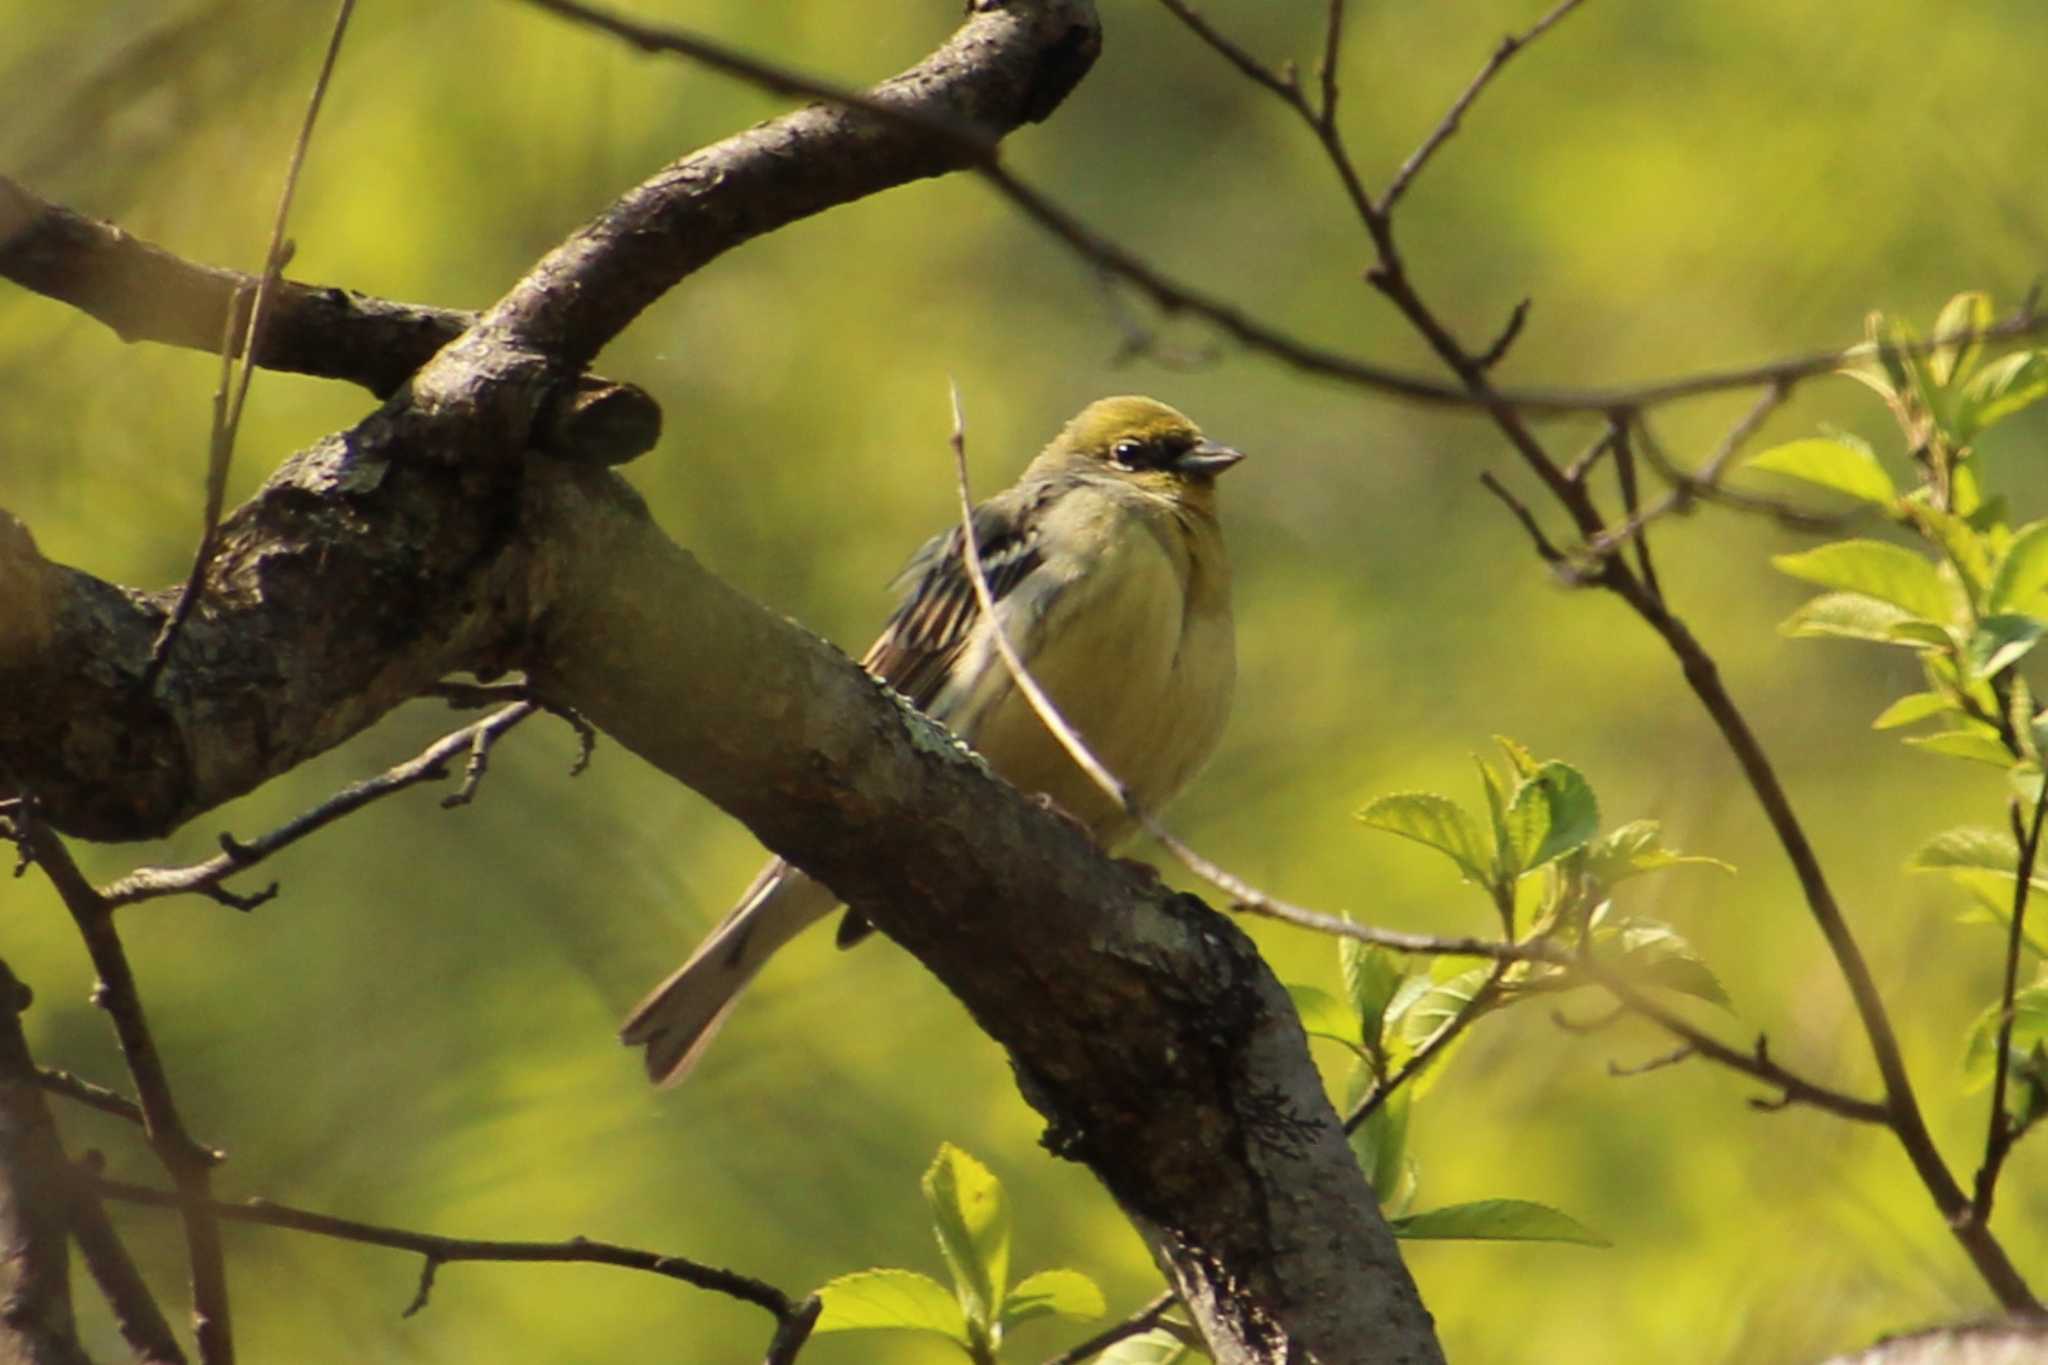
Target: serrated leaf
{"x":872,"y":1300}
{"x":1054,"y":1293}
{"x":1912,"y":708}
{"x":1659,"y":955}
{"x":2005,"y":386}
{"x":1636,"y":848}
{"x":1890,"y":573}
{"x":1156,"y":1347}
{"x":1968,"y":548}
{"x":971,"y":1217}
{"x":2022,"y":570}
{"x":1323,"y":1015}
{"x":1371,"y":976}
{"x":1573,"y":811}
{"x":1437,"y":821}
{"x":1853,"y":616}
{"x":1497,"y":1220}
{"x":2000,"y":641}
{"x":1970,"y":848}
{"x":1830,"y":463}
{"x":1967,"y":312}
{"x":1977,"y":744}
{"x":2029,"y":1030}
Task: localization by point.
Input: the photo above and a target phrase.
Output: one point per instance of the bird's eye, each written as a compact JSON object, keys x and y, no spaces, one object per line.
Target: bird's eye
{"x":1128,"y":453}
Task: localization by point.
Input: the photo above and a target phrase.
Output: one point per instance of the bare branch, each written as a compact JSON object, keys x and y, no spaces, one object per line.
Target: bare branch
{"x":431,"y":765}
{"x":190,"y":1164}
{"x":1683,"y":1052}
{"x":2002,"y":1130}
{"x":227,"y":416}
{"x":448,"y":1250}
{"x":1419,"y":158}
{"x":1137,"y":1324}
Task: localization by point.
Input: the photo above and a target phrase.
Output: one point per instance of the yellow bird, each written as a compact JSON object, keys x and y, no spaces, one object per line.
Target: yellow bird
{"x":1107,"y":568}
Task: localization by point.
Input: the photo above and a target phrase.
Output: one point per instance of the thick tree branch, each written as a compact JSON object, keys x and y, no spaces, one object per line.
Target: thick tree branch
{"x":1166,"y":1020}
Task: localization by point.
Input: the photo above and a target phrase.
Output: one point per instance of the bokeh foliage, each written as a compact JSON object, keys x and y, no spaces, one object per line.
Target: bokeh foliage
{"x":420,"y":1030}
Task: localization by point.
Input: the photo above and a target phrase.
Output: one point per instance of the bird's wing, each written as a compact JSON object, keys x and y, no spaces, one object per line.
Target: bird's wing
{"x":932,"y":626}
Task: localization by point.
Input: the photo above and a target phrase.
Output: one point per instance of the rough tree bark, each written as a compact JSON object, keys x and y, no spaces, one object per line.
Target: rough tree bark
{"x":430,"y":539}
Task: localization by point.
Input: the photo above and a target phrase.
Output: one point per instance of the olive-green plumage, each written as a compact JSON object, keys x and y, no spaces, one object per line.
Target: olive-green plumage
{"x":1110,"y":579}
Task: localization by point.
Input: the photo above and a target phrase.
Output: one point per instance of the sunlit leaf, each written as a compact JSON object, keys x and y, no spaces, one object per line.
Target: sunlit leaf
{"x":971,"y":1216}
{"x":1323,"y":1015}
{"x":1553,"y":812}
{"x":2000,"y":641}
{"x":1830,"y":463}
{"x":1421,"y":1014}
{"x":1653,"y":952}
{"x":1437,"y":821}
{"x":2004,"y":387}
{"x":1968,"y":312}
{"x":1968,"y":547}
{"x":1497,"y":1220}
{"x":1054,"y":1293}
{"x":1979,"y":744}
{"x":1853,"y":616}
{"x":2029,"y":1030}
{"x":1969,"y":849}
{"x":1636,"y":848}
{"x":1156,"y":1347}
{"x":2022,"y":570}
{"x":1889,"y":573}
{"x":1911,"y":708}
{"x":874,"y":1299}
{"x":1371,"y":976}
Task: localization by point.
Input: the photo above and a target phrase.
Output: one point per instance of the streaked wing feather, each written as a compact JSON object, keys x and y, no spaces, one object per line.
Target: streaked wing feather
{"x":930,"y":629}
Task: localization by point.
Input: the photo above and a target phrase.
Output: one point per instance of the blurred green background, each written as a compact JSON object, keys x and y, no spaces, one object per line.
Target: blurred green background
{"x":420,"y":1030}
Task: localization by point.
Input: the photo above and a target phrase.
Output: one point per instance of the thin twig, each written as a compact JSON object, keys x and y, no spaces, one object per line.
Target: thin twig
{"x":792,"y":1331}
{"x":1251,"y":67}
{"x":189,"y":1163}
{"x":1683,"y":1052}
{"x":431,"y":765}
{"x":1482,"y":1000}
{"x":1545,"y":551}
{"x":227,"y":417}
{"x":1138,"y":1323}
{"x":1461,"y":106}
{"x":87,"y":1093}
{"x":1518,"y":316}
{"x":447,"y":1250}
{"x":2001,"y":1130}
{"x":1631,"y":506}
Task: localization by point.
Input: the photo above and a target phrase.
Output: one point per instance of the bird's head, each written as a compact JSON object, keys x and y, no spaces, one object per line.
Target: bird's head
{"x":1145,"y":442}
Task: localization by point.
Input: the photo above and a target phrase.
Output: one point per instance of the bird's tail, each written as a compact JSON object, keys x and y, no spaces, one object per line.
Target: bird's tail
{"x":678,"y":1019}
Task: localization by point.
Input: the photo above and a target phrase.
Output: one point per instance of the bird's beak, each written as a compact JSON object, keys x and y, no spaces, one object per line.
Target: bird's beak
{"x":1207,"y":460}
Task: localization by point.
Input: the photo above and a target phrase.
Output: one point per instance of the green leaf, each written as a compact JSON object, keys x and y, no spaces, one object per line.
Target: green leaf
{"x":1977,"y":743}
{"x":1658,"y":954}
{"x":1890,"y":573}
{"x":2022,"y":570}
{"x":1636,"y":848}
{"x":972,"y":1220}
{"x":1972,"y":849}
{"x":1062,"y":1293}
{"x":1371,"y":976}
{"x":1553,"y":812}
{"x":2000,"y":641}
{"x":1912,"y":708}
{"x":1967,"y":547}
{"x":1853,"y":616}
{"x":1437,"y":821}
{"x":1832,"y":464}
{"x":874,"y":1299}
{"x":1156,"y":1347}
{"x":1323,"y":1015}
{"x":2029,"y":1030}
{"x":1380,"y":1143}
{"x":2005,"y":386}
{"x":1421,"y":1014}
{"x":1969,"y":312}
{"x":1497,"y":1220}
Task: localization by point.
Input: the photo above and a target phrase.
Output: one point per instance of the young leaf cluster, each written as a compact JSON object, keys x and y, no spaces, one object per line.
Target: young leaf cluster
{"x":971,"y":1218}
{"x":1537,"y":853}
{"x":1971,"y":600}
